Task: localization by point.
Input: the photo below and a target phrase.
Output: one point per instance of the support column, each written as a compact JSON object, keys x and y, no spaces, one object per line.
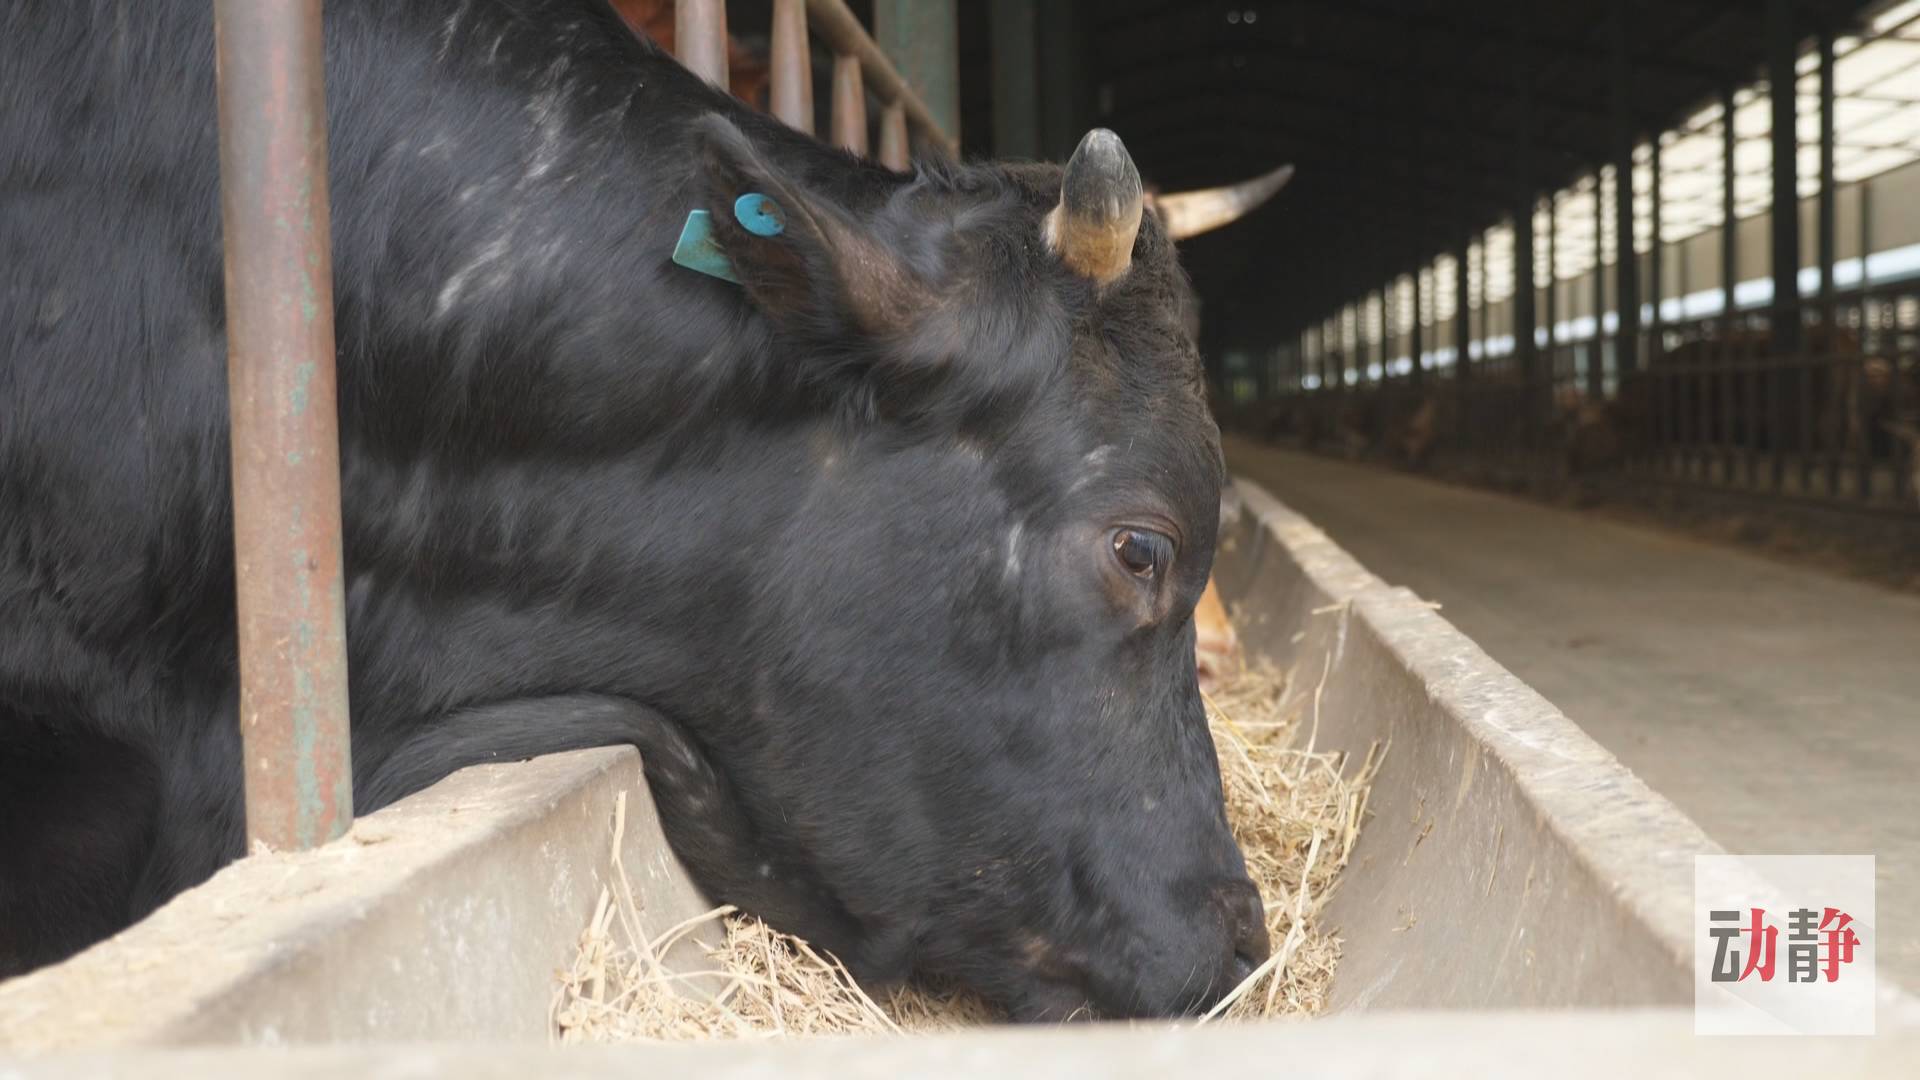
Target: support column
{"x":1729,"y":224}
{"x":1525,"y":352}
{"x":922,"y":38}
{"x":1596,"y":355}
{"x":1827,"y":224}
{"x":1829,"y":348}
{"x":1786,"y":197}
{"x":1416,"y":338}
{"x":1664,"y":424}
{"x":1343,"y":358}
{"x":1485,"y":278}
{"x":1389,"y":327}
{"x":1553,"y":285}
{"x":1524,"y":349}
{"x":1362,"y":355}
{"x":1015,"y":64}
{"x":1863,"y":479}
{"x":1719,"y":386}
{"x":1462,"y":320}
{"x":1656,"y":262}
{"x":1626,"y":265}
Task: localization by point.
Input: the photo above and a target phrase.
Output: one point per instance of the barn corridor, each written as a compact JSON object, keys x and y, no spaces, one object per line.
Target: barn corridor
{"x":1778,"y":706}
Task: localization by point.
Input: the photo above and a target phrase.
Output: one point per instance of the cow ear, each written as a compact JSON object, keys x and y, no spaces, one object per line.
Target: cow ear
{"x":806,"y":262}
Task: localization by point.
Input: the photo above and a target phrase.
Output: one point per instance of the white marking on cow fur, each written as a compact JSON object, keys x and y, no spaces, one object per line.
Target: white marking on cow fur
{"x":491,"y":269}
{"x":451,"y":28}
{"x":1096,"y":462}
{"x":549,"y":111}
{"x":1013,"y":550}
{"x":493,"y":251}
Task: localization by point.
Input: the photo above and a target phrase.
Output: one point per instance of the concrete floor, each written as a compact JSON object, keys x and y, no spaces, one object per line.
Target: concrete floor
{"x":1778,"y":706}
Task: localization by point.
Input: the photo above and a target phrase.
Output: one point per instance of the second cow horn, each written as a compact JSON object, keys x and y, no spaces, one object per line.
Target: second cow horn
{"x":1190,"y":213}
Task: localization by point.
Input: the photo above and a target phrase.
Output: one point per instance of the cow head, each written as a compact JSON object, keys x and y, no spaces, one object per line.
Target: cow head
{"x":976,"y":728}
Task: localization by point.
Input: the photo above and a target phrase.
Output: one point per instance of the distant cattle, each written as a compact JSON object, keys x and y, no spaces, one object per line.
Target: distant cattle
{"x":886,"y":557}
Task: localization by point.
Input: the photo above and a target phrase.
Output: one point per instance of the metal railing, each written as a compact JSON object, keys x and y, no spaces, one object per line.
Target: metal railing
{"x":1825,"y":425}
{"x":859,"y":65}
{"x":1840,"y":426}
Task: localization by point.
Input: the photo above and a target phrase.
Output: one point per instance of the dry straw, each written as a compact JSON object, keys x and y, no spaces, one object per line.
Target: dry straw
{"x":1295,"y":811}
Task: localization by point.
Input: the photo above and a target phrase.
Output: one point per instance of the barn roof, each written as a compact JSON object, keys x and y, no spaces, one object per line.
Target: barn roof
{"x":1412,"y":122}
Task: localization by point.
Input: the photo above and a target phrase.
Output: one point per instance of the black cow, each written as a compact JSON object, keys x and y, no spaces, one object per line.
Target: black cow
{"x":885,"y":559}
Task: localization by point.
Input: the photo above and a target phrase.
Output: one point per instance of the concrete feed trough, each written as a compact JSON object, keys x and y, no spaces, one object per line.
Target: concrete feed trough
{"x":1508,"y":863}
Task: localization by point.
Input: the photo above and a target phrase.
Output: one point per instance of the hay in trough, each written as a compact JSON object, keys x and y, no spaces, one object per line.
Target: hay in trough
{"x":1296,"y":812}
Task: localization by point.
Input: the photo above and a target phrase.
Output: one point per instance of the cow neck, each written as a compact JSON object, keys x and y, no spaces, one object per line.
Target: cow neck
{"x":504,"y":231}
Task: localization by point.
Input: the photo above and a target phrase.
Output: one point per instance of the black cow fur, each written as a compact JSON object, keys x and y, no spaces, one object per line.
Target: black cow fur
{"x":835,"y":549}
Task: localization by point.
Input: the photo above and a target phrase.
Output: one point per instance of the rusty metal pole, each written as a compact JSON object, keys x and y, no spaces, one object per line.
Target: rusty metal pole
{"x":792,"y":91}
{"x":285,"y":440}
{"x":849,"y":105}
{"x":700,"y":38}
{"x":895,"y":151}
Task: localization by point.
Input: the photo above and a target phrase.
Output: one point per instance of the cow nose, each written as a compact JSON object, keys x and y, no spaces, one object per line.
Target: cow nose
{"x":1246,"y":922}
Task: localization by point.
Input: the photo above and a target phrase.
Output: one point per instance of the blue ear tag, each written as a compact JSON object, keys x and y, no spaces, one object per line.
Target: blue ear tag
{"x":696,"y":249}
{"x":759,"y":215}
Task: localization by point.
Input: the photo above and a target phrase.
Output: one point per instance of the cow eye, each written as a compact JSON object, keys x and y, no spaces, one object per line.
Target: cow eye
{"x":1142,"y":552}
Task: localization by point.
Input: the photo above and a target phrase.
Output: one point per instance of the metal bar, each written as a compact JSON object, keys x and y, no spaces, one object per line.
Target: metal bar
{"x":285,"y":438}
{"x":1626,"y":264}
{"x":791,"y":93}
{"x":894,"y":150}
{"x":842,"y":33}
{"x":700,"y":38}
{"x":849,"y":105}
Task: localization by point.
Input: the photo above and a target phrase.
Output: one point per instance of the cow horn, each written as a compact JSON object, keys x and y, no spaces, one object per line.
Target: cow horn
{"x":1190,"y":213}
{"x":1093,"y":228}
